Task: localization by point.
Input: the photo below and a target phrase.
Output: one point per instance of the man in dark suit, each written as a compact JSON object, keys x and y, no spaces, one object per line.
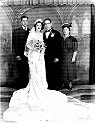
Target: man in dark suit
{"x":52,"y":39}
{"x":19,"y":40}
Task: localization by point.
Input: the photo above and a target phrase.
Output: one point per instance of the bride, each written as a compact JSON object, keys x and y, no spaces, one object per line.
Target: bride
{"x":36,"y":103}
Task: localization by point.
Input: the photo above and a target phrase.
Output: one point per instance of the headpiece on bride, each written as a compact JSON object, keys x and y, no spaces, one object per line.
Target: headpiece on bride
{"x":38,"y":20}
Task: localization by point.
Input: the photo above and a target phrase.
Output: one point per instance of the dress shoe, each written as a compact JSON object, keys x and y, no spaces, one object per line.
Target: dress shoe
{"x":70,"y":86}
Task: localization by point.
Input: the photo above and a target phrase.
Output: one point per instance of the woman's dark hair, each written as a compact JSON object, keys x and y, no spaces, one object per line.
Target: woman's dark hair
{"x":41,"y":24}
{"x":68,"y":25}
{"x":24,"y":17}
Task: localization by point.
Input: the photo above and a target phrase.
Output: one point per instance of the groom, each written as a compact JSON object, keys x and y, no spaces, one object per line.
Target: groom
{"x":52,"y":39}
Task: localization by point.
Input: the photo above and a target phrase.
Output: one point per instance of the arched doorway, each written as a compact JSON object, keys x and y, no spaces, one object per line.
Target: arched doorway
{"x":5,"y":44}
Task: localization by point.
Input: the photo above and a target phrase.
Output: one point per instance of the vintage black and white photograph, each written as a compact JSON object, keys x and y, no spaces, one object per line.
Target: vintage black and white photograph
{"x":47,"y":61}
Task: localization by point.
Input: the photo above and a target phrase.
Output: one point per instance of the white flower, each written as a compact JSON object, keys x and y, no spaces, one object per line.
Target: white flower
{"x":52,"y":35}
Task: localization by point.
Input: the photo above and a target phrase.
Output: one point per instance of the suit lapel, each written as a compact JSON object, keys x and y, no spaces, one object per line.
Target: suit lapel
{"x":44,"y":36}
{"x":21,"y":30}
{"x":51,"y":35}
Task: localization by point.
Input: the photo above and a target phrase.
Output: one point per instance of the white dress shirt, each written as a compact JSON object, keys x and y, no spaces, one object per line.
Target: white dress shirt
{"x":47,"y":33}
{"x":25,"y":28}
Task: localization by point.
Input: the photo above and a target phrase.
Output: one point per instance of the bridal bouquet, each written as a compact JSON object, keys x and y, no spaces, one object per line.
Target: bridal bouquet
{"x":36,"y":45}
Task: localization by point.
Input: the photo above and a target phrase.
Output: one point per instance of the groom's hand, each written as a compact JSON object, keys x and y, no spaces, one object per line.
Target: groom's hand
{"x":56,"y":60}
{"x":18,"y":58}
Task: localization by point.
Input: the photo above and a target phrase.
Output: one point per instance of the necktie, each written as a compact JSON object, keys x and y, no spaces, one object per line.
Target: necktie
{"x":25,"y":28}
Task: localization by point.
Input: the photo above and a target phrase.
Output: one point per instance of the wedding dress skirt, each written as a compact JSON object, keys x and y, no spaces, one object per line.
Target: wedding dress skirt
{"x":37,"y":104}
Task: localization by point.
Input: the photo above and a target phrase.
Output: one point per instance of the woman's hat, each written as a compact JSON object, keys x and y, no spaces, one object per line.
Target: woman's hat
{"x":38,"y":20}
{"x":68,"y":25}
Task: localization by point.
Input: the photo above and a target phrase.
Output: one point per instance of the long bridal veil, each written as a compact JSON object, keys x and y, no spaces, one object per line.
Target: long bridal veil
{"x":36,"y":103}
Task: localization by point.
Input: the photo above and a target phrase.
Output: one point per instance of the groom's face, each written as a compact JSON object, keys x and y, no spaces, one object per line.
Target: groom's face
{"x":48,"y":25}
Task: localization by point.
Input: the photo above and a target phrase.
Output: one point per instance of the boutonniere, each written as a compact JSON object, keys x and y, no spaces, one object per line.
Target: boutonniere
{"x":52,"y":34}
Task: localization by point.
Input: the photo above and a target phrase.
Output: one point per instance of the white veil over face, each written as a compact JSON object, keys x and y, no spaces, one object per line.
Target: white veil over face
{"x":31,"y":36}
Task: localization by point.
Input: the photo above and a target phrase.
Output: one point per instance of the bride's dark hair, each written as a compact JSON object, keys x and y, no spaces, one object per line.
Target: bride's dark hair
{"x":41,"y":24}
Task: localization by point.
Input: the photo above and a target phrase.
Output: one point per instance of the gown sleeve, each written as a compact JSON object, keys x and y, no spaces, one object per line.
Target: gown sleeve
{"x":29,"y":44}
{"x":75,"y":44}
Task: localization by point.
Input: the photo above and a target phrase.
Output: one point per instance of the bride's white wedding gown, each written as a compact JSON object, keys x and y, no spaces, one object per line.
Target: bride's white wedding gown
{"x":37,"y":104}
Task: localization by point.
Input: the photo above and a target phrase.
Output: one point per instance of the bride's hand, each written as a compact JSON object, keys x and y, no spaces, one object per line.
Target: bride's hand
{"x":26,"y":54}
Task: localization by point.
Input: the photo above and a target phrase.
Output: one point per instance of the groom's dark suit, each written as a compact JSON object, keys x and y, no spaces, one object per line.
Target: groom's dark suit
{"x":19,"y":39}
{"x":53,"y":50}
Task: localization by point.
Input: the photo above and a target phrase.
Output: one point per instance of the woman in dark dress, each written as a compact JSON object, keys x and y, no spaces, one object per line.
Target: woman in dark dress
{"x":68,"y":61}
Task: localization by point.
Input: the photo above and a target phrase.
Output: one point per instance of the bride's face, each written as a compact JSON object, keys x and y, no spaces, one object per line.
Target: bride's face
{"x":38,"y":27}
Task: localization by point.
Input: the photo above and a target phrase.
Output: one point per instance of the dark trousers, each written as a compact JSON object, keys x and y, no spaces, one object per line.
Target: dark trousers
{"x":23,"y":73}
{"x":52,"y":75}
